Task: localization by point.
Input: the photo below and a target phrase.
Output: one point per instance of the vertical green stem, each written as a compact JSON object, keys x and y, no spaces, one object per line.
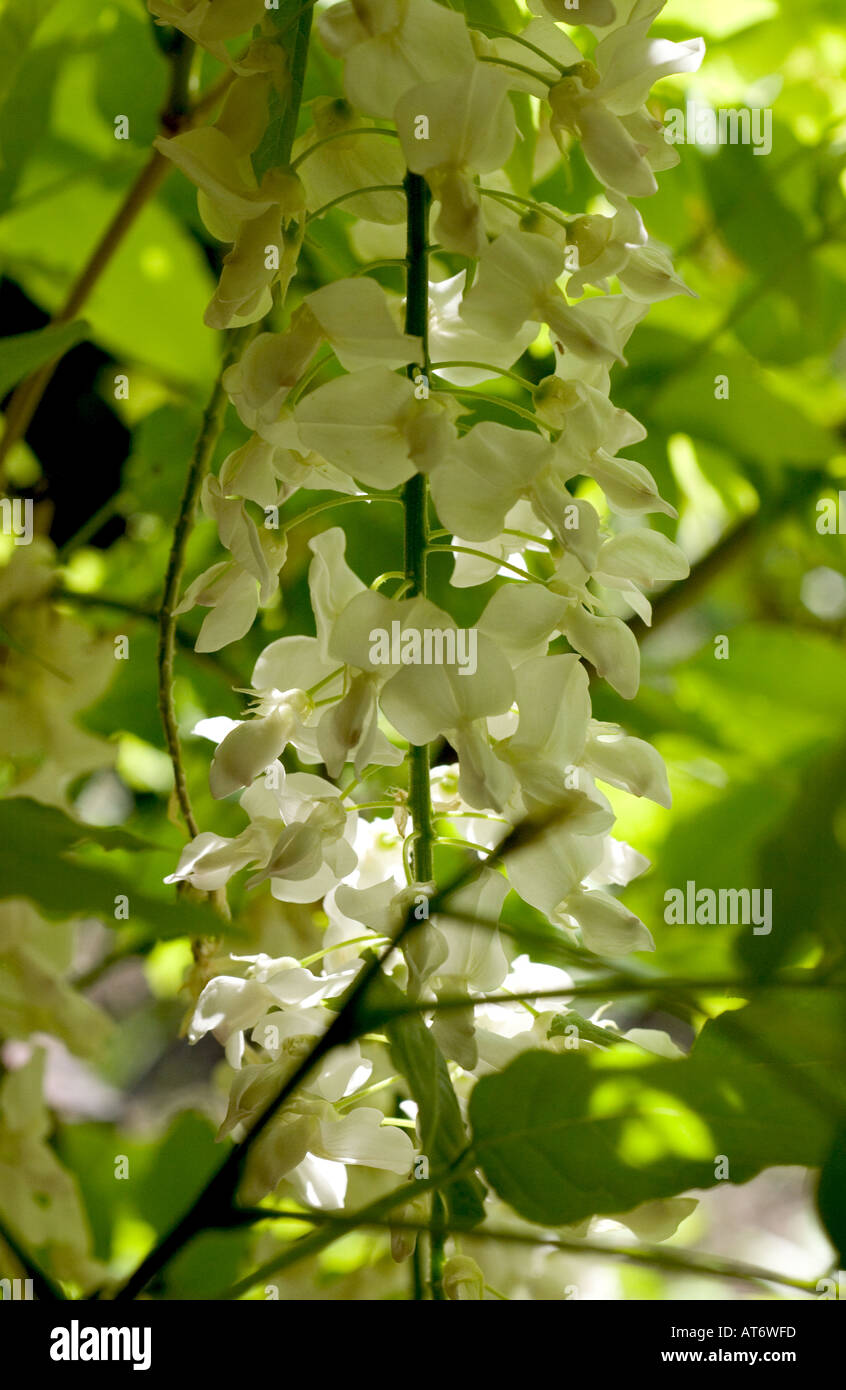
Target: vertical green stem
{"x":418,"y":1284}
{"x":416,"y":499}
{"x":438,"y":1241}
{"x":298,"y":61}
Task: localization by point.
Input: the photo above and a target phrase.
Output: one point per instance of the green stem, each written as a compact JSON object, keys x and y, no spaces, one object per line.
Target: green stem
{"x":502,"y":402}
{"x":319,"y":1239}
{"x":307,"y":377}
{"x":517,"y":38}
{"x":343,"y":135}
{"x":298,"y":60}
{"x":531,"y":203}
{"x":333,"y":502}
{"x":416,"y":499}
{"x":383,"y":263}
{"x":481,"y":555}
{"x":518,"y":67}
{"x":438,"y":1244}
{"x":486,"y":367}
{"x":418,"y":1282}
{"x":354,"y":193}
{"x":602,"y":989}
{"x":89,"y":528}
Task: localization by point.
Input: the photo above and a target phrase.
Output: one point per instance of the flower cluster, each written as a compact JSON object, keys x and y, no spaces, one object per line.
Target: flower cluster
{"x":548,"y":506}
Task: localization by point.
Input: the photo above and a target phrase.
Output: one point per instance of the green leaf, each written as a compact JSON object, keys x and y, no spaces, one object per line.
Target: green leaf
{"x":19,"y":22}
{"x":562,"y":1137}
{"x":764,"y":419}
{"x":781,"y":690}
{"x":23,"y":354}
{"x":162,"y":439}
{"x":831,"y":1196}
{"x":39,"y":1199}
{"x":591,"y":1032}
{"x":165,"y":1174}
{"x":809,"y":903}
{"x":767,"y":237}
{"x":9,"y":640}
{"x":38,"y":861}
{"x":25,"y":115}
{"x":504,"y":13}
{"x":35,"y":995}
{"x":443,"y":1136}
{"x":148,"y":305}
{"x":137,"y":88}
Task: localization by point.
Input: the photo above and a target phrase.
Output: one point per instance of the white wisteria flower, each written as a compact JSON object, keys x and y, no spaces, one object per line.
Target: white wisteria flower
{"x":470,"y":130}
{"x":389,"y":45}
{"x":603,"y":103}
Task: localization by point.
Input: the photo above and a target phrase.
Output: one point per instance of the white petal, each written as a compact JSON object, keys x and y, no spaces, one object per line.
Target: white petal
{"x":360,"y":1138}
{"x":355,"y":317}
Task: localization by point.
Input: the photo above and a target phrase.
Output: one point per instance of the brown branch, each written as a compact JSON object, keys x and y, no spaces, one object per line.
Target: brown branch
{"x":175,"y":117}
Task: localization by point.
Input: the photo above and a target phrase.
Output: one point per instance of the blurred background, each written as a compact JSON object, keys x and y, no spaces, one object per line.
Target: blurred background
{"x":743,"y":391}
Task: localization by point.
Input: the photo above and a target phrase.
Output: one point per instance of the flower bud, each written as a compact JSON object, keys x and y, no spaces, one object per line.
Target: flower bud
{"x":463,"y":1279}
{"x":554,"y":399}
{"x":250,"y":748}
{"x":403,"y":1240}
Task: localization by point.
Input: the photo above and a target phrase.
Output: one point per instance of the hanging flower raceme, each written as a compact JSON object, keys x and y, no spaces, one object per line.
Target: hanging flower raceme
{"x":337,"y":395}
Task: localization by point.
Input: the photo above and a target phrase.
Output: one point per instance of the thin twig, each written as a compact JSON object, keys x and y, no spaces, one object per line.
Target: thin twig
{"x":200,"y":460}
{"x":43,"y":1286}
